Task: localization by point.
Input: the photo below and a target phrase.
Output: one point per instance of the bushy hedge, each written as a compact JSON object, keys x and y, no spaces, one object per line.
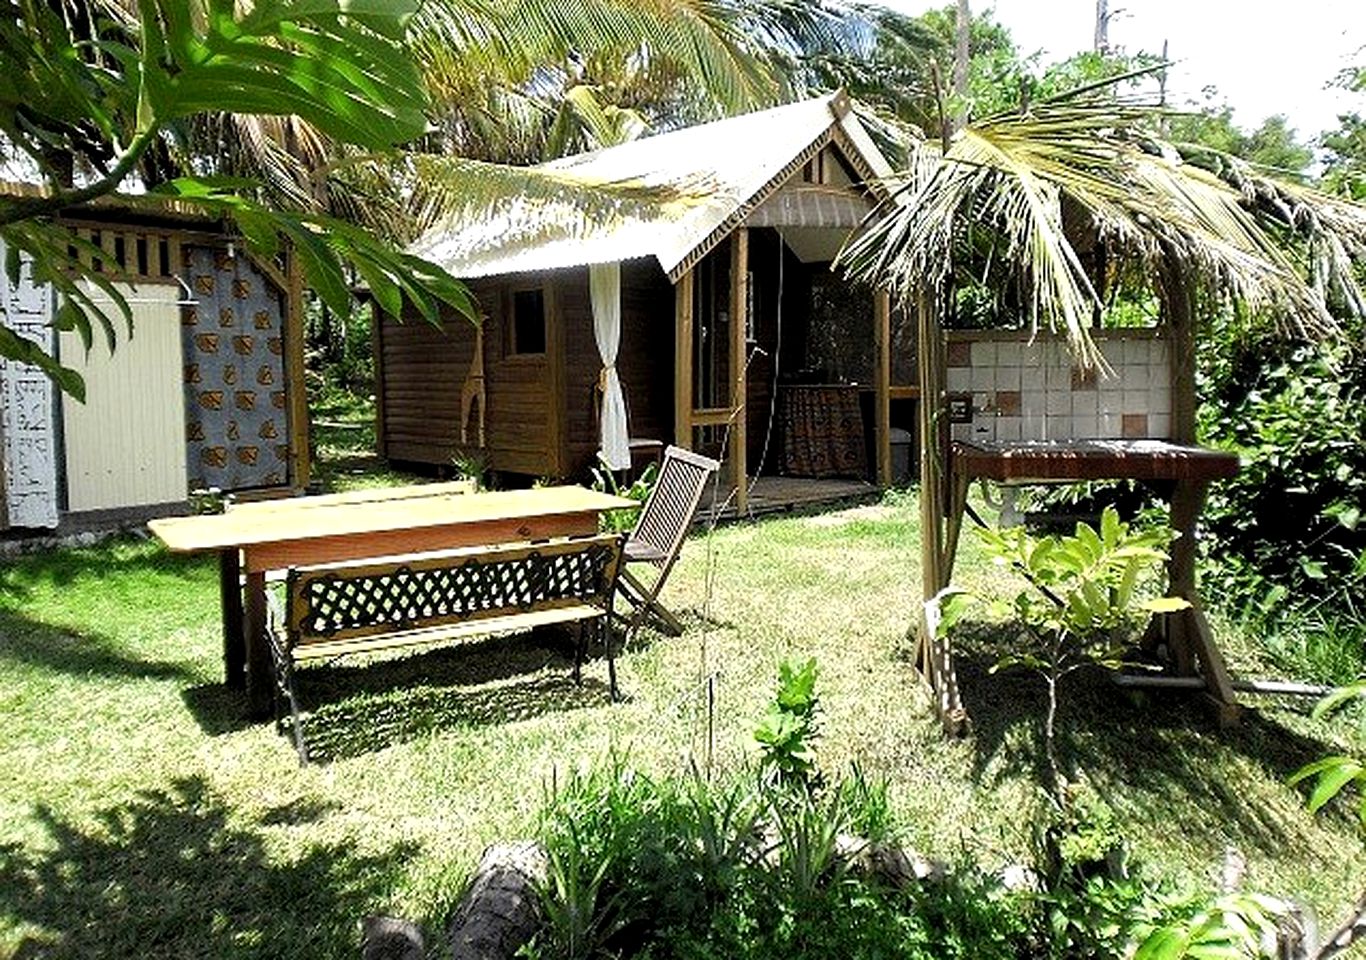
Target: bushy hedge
{"x":1287,"y":537}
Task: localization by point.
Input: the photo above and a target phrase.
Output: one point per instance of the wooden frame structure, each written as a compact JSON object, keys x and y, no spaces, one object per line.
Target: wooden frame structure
{"x":790,"y":183}
{"x":130,"y":453}
{"x":948,"y":468}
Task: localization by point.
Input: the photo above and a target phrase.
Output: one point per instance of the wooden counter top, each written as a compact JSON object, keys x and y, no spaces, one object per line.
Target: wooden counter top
{"x":1023,"y":461}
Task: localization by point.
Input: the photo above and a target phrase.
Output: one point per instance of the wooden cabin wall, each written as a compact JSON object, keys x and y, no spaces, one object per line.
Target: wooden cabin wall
{"x":419,"y":371}
{"x":644,"y":360}
{"x":524,"y":424}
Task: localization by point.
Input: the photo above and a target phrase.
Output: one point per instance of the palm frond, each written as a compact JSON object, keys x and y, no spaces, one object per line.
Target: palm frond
{"x":451,"y":194}
{"x":1278,"y":248}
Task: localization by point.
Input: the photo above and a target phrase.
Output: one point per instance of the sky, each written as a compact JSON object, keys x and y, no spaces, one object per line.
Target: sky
{"x":1264,"y":58}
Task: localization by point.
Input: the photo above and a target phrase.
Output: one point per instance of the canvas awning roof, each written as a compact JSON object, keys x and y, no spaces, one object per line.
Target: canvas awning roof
{"x":729,"y":167}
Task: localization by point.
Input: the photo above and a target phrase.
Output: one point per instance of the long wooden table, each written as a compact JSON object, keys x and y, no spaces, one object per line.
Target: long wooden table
{"x":257,"y":538}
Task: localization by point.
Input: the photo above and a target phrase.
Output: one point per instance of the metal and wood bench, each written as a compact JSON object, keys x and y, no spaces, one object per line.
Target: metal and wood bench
{"x":339,"y":609}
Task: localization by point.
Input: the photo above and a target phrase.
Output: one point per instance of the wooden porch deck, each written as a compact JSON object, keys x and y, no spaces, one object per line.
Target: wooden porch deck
{"x":782,"y":494}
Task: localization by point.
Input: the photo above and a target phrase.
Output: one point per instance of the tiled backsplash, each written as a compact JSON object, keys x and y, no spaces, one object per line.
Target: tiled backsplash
{"x":1023,"y":390}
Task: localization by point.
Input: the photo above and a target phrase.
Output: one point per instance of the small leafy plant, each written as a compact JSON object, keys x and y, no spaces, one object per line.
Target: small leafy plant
{"x":786,"y":734}
{"x":639,"y":490}
{"x":1333,"y":774}
{"x":1082,"y":605}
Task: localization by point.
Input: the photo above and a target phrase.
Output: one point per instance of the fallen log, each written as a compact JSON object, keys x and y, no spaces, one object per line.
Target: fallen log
{"x":501,"y":910}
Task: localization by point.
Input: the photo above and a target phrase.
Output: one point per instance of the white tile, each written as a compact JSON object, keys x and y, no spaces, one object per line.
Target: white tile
{"x":1083,"y":427}
{"x":959,"y":379}
{"x":1058,"y":376}
{"x":1031,"y":378}
{"x":1110,"y":403}
{"x":1111,"y":382}
{"x":1159,"y":401}
{"x":1058,"y":402}
{"x":983,"y":377}
{"x":1007,"y":428}
{"x":1007,"y":378}
{"x":1085,"y":403}
{"x":1135,"y":401}
{"x":983,"y":354}
{"x":1112,"y":352}
{"x":1033,"y":425}
{"x":1159,"y":425}
{"x":1034,"y":401}
{"x":1109,"y":426}
{"x":1157,"y":375}
{"x":1031,"y":355}
{"x":984,"y":429}
{"x":961,"y":431}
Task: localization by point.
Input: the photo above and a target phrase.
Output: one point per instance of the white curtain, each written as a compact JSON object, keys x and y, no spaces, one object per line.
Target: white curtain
{"x":604,"y":285}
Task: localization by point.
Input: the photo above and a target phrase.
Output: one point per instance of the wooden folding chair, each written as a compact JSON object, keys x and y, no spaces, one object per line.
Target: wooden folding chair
{"x":659,"y":533}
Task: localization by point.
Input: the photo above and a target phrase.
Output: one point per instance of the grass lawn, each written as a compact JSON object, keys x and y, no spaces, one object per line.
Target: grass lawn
{"x":139,"y":816}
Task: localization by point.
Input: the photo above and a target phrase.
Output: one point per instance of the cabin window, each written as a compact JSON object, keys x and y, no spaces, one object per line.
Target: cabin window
{"x":528,"y":322}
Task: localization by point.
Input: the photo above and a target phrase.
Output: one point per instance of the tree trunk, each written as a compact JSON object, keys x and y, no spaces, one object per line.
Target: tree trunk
{"x":962,"y":54}
{"x":1102,"y":27}
{"x":501,"y":910}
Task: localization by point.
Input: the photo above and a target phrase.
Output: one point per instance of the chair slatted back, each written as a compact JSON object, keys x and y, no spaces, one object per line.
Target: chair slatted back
{"x":667,"y":514}
{"x":362,"y":600}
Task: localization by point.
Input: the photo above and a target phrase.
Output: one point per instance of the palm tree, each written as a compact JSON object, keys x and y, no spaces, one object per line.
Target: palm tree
{"x":1027,"y":196}
{"x":105,"y":90}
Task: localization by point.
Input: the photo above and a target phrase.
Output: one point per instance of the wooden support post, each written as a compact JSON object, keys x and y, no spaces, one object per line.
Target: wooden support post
{"x":683,"y":361}
{"x":555,"y":345}
{"x":882,"y":398}
{"x":230,"y":602}
{"x":739,"y":380}
{"x":295,"y":390}
{"x":936,"y":657}
{"x":377,"y":353}
{"x":1188,"y":634}
{"x":260,"y":674}
{"x":958,"y":504}
{"x":1178,"y":314}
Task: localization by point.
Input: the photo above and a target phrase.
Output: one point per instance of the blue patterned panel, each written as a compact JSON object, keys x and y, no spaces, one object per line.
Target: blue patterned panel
{"x":235,"y":404}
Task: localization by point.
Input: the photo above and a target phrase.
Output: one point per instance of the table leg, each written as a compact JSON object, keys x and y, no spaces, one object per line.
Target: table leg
{"x":259,"y":671}
{"x":230,"y":601}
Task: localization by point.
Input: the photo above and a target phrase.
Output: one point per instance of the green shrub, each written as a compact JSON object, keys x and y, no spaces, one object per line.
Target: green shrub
{"x":1285,"y":537}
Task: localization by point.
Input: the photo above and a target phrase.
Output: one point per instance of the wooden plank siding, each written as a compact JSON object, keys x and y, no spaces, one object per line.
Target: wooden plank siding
{"x":644,"y":360}
{"x":419,"y":370}
{"x":542,"y":408}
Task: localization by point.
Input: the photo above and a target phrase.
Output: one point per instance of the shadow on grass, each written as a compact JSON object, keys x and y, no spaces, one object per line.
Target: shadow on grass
{"x":80,"y":654}
{"x":114,"y":559}
{"x":352,"y":709}
{"x":172,"y":873}
{"x":1162,"y":751}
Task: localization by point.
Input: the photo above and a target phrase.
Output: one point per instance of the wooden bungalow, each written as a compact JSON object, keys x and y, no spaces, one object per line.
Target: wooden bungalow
{"x":731,"y":334}
{"x":207,"y":392}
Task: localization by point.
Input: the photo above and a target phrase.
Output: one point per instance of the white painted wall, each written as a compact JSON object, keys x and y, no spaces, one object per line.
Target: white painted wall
{"x":125,"y":446}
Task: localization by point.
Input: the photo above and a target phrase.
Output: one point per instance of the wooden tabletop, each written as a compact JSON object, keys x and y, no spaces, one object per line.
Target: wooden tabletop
{"x":1027,"y":460}
{"x":406,"y":508}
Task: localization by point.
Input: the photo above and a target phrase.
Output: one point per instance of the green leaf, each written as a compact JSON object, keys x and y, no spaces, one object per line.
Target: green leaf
{"x":15,"y":347}
{"x":1313,"y":569}
{"x":1165,"y":604}
{"x":1332,"y":779}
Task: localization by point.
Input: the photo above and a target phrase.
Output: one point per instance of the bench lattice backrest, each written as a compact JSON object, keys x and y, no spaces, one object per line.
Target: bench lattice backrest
{"x":373,"y":599}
